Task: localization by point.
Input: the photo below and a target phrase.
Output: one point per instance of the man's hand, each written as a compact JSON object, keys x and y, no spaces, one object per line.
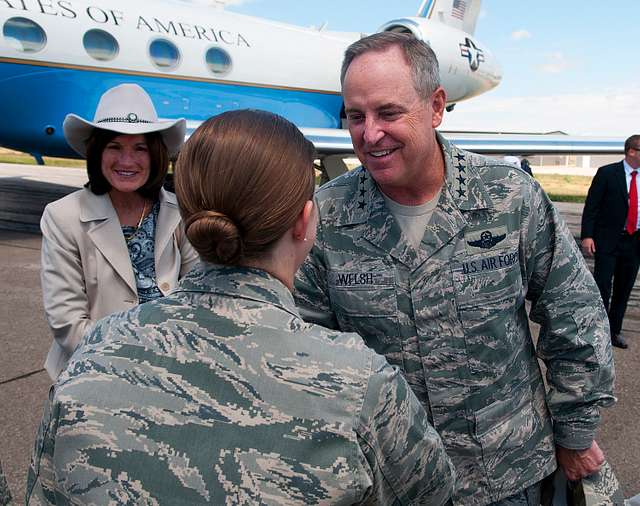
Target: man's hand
{"x":588,"y":246}
{"x":578,"y":464}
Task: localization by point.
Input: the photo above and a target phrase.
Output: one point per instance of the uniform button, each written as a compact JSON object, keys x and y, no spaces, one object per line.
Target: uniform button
{"x":164,"y":287}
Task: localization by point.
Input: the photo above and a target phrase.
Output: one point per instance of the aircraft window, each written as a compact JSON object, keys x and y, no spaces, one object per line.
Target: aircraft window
{"x":100,"y":45}
{"x":24,"y":35}
{"x":218,"y":61}
{"x":164,"y":54}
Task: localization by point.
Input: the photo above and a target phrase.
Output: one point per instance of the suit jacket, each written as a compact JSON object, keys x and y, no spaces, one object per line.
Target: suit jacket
{"x":86,"y":270}
{"x":605,"y":210}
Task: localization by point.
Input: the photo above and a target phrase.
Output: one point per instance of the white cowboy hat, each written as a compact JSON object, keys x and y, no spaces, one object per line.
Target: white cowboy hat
{"x":126,"y":109}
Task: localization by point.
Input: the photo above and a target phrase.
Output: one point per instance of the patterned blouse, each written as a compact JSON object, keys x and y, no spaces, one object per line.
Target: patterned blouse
{"x":141,"y":246}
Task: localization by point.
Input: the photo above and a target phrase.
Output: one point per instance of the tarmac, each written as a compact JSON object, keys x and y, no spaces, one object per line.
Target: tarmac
{"x":25,"y":337}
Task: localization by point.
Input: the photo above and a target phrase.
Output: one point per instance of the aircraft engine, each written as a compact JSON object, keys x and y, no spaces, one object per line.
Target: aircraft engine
{"x":467,"y":67}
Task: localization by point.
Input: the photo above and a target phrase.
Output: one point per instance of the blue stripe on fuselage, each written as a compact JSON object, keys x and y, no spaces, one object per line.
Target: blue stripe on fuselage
{"x":424,"y":11}
{"x":36,"y":97}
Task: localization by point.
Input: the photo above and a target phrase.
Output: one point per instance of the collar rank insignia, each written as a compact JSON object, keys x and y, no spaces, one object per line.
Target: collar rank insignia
{"x":487,"y":240}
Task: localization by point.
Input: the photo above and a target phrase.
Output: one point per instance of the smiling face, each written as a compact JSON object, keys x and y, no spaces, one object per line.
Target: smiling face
{"x":391,"y":126}
{"x":126,"y":163}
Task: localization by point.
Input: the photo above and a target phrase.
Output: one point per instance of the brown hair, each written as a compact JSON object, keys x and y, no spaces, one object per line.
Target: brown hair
{"x":158,"y":161}
{"x":241,"y":180}
{"x":631,"y":143}
{"x":417,"y":54}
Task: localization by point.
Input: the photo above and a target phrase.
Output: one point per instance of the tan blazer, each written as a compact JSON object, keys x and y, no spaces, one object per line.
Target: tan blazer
{"x":86,"y":271}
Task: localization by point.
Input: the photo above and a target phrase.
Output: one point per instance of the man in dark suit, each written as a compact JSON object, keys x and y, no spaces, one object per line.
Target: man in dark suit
{"x":610,"y":223}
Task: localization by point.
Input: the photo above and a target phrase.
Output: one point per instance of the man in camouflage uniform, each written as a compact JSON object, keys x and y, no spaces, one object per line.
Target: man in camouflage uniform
{"x":429,"y":253}
{"x":221,"y":393}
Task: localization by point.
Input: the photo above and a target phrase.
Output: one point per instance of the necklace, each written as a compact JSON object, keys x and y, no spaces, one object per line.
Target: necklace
{"x":144,"y":210}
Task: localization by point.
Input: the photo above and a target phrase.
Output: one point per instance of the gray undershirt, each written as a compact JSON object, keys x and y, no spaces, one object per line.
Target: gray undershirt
{"x":413,"y":220}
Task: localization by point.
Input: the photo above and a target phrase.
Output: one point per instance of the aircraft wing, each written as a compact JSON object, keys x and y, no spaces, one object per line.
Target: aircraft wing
{"x":332,"y":141}
{"x":329,"y":140}
{"x":535,"y":144}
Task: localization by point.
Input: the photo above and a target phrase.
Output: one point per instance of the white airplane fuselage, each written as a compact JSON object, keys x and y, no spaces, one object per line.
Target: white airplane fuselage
{"x":47,"y":72}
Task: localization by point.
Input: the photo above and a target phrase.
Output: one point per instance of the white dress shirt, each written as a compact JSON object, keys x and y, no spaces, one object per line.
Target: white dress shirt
{"x":627,"y":172}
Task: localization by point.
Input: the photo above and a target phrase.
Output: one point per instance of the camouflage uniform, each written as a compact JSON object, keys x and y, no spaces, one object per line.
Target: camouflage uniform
{"x":5,"y":493}
{"x":221,"y":393}
{"x":452,"y":315}
{"x":599,"y":489}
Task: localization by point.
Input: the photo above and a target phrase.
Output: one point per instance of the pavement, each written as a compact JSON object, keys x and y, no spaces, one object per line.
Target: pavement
{"x":25,"y":338}
{"x":26,"y":189}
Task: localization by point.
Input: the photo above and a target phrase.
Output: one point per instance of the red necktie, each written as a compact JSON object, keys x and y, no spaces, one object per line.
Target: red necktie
{"x":632,"y":217}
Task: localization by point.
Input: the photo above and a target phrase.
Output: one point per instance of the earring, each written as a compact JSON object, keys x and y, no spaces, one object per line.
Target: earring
{"x":304,"y":240}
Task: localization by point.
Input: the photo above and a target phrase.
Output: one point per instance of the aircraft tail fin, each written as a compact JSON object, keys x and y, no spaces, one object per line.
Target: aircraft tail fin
{"x":460,"y":14}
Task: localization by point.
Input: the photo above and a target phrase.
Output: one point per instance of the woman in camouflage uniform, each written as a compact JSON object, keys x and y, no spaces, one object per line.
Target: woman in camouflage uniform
{"x":220,"y":392}
{"x":5,"y":493}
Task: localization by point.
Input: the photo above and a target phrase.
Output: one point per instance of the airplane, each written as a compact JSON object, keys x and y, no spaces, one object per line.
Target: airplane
{"x":59,"y":56}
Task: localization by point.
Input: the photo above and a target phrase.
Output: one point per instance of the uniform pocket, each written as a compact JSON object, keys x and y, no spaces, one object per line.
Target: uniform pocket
{"x":515,"y":442}
{"x":489,"y":297}
{"x":506,"y":424}
{"x":487,"y":289}
{"x":485,"y":280}
{"x":364,"y":301}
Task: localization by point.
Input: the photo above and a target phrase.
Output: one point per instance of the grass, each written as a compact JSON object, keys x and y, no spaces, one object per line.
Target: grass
{"x":10,"y":156}
{"x":564,"y":188}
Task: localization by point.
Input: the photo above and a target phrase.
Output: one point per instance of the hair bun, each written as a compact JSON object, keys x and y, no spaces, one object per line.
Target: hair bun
{"x":215,"y":237}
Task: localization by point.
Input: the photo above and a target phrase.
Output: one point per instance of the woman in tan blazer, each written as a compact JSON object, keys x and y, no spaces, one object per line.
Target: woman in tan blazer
{"x":119,"y":241}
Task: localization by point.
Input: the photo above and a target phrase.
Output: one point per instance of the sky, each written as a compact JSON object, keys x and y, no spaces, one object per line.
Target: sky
{"x":567,"y":65}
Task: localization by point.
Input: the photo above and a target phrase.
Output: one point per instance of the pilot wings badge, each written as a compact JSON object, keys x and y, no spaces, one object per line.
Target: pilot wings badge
{"x":487,"y":240}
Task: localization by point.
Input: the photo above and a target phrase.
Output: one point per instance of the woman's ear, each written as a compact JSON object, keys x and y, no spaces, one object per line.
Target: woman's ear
{"x":303,"y":222}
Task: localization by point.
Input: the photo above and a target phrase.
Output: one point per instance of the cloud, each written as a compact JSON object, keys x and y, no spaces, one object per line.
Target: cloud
{"x":607,"y":113}
{"x":521,"y":34}
{"x":556,"y":63}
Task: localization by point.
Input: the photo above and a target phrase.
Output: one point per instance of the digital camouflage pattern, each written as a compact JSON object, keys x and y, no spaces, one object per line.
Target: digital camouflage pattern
{"x":5,"y":493}
{"x":599,"y":489}
{"x":452,"y":315}
{"x":220,"y":393}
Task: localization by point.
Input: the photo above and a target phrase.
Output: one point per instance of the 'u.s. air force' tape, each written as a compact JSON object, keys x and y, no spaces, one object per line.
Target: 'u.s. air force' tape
{"x":480,"y":265}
